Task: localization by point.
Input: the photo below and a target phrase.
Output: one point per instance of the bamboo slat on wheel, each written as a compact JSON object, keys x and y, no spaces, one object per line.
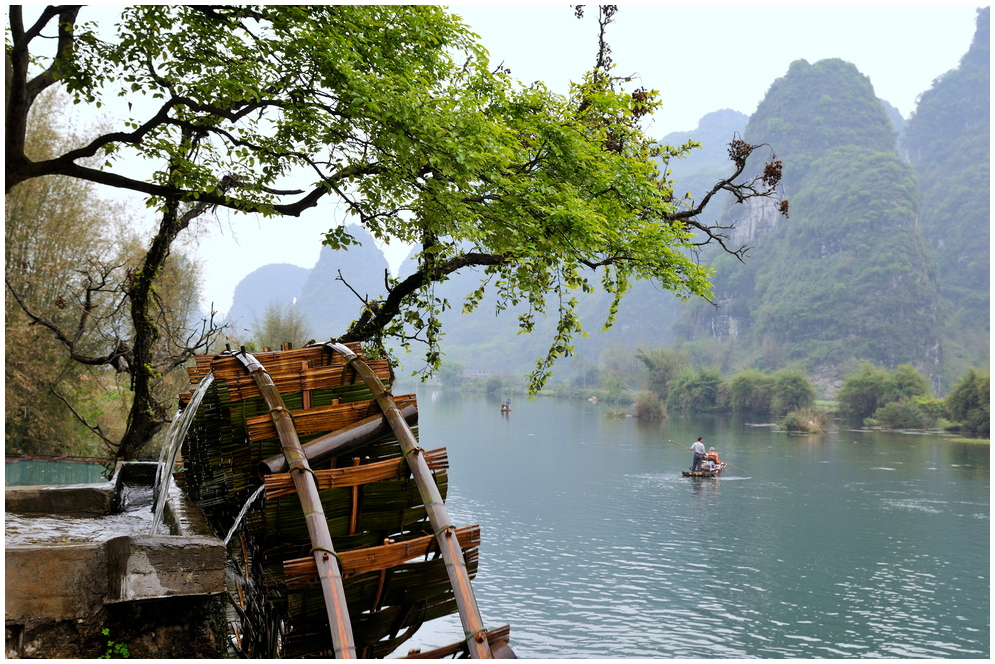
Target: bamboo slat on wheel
{"x":282,"y":484}
{"x":374,"y":559}
{"x":316,"y":420}
{"x":300,"y":370}
{"x":442,"y":526}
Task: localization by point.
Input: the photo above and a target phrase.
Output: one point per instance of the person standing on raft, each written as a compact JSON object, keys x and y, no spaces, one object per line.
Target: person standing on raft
{"x":699,"y":452}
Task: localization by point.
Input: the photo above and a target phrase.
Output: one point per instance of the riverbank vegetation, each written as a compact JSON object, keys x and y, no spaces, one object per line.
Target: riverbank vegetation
{"x":871,"y":396}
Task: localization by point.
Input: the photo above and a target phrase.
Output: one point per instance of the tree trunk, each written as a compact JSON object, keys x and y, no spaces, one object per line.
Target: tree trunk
{"x":148,"y":414}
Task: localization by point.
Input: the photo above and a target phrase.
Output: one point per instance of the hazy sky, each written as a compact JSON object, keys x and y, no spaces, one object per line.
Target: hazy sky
{"x":702,"y":59}
{"x":708,"y":57}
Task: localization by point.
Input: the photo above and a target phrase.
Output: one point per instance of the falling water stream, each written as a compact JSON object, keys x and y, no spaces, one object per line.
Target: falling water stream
{"x":175,"y":436}
{"x":241,"y":514}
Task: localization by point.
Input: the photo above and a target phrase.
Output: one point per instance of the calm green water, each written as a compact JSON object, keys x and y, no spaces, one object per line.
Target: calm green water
{"x":31,"y":472}
{"x":851,"y":544}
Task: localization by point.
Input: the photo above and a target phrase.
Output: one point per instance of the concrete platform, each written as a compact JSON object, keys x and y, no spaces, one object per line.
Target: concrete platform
{"x":60,"y":593}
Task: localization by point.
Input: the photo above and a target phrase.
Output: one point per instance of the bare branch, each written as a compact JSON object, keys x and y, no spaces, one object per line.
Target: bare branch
{"x":95,"y":428}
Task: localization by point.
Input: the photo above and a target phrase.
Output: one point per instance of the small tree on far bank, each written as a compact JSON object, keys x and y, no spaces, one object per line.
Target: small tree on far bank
{"x":751,"y":392}
{"x":649,"y":407}
{"x":702,"y":391}
{"x":451,"y":373}
{"x":862,"y":392}
{"x":790,"y":391}
{"x":969,"y":404}
{"x":282,"y":322}
{"x":662,"y":366}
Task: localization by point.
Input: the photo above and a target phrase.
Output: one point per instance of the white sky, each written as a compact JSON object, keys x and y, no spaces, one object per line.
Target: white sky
{"x":702,"y":58}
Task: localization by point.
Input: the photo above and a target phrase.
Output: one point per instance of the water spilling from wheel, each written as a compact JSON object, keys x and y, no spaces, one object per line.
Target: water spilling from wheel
{"x":175,"y":435}
{"x":241,"y":514}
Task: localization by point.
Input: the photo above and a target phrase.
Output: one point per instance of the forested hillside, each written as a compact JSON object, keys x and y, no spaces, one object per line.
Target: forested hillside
{"x":848,"y":276}
{"x":948,"y":142}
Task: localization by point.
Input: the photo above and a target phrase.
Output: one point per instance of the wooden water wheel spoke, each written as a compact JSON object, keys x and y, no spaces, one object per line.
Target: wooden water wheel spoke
{"x":323,"y":553}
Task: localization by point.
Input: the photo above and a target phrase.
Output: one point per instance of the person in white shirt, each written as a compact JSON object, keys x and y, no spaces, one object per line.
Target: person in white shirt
{"x":699,"y":452}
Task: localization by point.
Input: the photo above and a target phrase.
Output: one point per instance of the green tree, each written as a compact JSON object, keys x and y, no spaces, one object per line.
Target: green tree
{"x":699,"y":391}
{"x":614,"y":384}
{"x":282,"y":322}
{"x":969,"y":403}
{"x":451,"y":373}
{"x":52,"y":227}
{"x":69,"y":254}
{"x":585,"y":374}
{"x":751,"y":392}
{"x":619,"y":359}
{"x":863,"y":392}
{"x":662,"y":366}
{"x":395,"y":112}
{"x":649,"y":407}
{"x":907,"y":413}
{"x":905,"y":383}
{"x":791,"y":390}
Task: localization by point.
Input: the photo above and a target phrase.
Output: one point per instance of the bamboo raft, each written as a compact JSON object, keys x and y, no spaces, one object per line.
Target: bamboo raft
{"x":714,"y":472}
{"x":349,"y":550}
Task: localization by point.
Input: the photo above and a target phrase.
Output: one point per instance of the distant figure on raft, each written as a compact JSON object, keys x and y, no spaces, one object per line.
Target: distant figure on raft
{"x":506,"y":406}
{"x":699,"y":453}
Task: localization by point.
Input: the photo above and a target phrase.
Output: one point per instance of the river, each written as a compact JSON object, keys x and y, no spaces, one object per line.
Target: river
{"x":848,"y":544}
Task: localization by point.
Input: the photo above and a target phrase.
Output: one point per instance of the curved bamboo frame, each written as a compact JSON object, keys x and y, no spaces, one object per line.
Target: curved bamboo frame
{"x":325,"y":558}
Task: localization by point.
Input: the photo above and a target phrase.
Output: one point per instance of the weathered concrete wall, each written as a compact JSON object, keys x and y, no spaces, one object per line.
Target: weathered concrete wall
{"x":145,"y":567}
{"x":67,"y":499}
{"x":57,"y":581}
{"x":163,"y":596}
{"x":190,"y":627}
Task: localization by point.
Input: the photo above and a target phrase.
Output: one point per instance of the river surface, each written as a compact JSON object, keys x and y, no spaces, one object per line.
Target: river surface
{"x":849,"y":544}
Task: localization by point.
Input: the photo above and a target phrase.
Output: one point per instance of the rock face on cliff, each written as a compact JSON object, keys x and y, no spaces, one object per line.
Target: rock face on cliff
{"x":329,"y":303}
{"x":948,"y":141}
{"x":274,"y":283}
{"x":849,"y":275}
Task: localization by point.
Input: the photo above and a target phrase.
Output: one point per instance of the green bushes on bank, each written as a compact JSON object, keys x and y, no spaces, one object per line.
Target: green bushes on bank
{"x":969,"y":404}
{"x":649,"y":407}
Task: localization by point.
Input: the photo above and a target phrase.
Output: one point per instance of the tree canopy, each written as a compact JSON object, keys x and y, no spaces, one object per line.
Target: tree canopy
{"x":395,"y":112}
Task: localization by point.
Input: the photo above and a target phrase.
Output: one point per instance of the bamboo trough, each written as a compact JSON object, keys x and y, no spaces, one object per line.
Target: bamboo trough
{"x":346,"y":548}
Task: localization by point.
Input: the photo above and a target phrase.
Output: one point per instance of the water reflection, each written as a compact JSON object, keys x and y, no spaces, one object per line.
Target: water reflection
{"x":854,"y":544}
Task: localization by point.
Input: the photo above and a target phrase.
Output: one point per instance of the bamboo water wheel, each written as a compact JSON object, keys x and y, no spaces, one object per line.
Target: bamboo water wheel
{"x":349,"y":549}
